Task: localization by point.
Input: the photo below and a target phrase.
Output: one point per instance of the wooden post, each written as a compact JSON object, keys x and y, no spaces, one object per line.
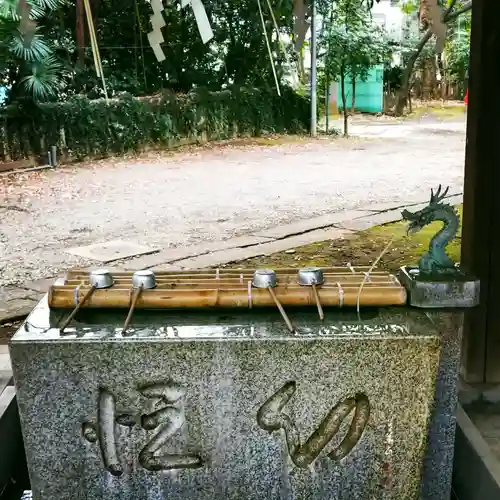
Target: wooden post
{"x":481,"y":217}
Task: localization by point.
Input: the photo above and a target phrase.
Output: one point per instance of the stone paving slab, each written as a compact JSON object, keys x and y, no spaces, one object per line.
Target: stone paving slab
{"x":8,"y":293}
{"x":303,"y":226}
{"x":454,"y":199}
{"x":4,"y":359}
{"x":16,"y":308}
{"x":110,"y":251}
{"x":253,"y":245}
{"x":236,"y":254}
{"x":16,"y":302}
{"x":40,"y":286}
{"x":375,"y":219}
{"x":181,"y":253}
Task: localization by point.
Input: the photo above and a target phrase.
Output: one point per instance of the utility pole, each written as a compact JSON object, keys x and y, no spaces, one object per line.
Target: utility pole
{"x":313,"y":69}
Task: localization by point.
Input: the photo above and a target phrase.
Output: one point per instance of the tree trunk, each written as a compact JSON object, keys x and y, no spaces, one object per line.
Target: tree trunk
{"x":428,"y":79}
{"x":405,"y":79}
{"x":344,"y":100}
{"x":443,"y":80}
{"x":80,"y":33}
{"x":62,"y":34}
{"x":353,"y":99}
{"x":301,"y":67}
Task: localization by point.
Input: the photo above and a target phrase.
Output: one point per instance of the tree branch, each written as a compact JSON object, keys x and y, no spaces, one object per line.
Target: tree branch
{"x":449,"y":8}
{"x":450,"y":16}
{"x":447,"y":17}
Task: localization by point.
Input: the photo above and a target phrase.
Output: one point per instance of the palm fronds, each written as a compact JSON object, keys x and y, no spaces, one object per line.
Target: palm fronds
{"x":39,"y":8}
{"x":36,"y":50}
{"x":45,"y":78}
{"x":29,"y":50}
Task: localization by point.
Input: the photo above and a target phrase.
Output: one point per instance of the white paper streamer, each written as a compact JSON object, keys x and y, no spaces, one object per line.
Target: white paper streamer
{"x":201,"y":17}
{"x":156,"y":37}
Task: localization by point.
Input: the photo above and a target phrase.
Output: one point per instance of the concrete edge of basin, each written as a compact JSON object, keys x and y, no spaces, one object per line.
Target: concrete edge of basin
{"x":476,"y":470}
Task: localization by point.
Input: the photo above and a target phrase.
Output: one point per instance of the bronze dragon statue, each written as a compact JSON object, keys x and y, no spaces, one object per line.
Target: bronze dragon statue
{"x":435,"y":260}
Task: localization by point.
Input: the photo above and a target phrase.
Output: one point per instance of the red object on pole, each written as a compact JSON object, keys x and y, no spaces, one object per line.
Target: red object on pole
{"x":466,"y":98}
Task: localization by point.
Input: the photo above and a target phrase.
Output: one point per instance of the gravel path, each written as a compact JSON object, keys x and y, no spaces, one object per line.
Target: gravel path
{"x":215,"y":194}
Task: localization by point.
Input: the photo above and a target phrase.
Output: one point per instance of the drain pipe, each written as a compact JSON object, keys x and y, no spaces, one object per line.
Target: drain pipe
{"x":52,"y":163}
{"x":22,"y":170}
{"x":53,"y":156}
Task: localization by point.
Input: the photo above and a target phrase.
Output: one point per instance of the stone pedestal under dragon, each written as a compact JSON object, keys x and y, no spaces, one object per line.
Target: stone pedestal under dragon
{"x":437,"y":281}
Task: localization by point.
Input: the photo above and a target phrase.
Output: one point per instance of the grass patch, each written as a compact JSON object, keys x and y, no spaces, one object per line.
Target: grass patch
{"x":360,"y":249}
{"x":438,"y":111}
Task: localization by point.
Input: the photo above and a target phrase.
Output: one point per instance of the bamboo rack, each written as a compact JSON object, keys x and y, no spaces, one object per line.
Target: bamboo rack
{"x":231,"y":288}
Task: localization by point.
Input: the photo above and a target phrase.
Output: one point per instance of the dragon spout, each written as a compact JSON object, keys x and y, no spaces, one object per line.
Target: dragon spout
{"x":435,"y":259}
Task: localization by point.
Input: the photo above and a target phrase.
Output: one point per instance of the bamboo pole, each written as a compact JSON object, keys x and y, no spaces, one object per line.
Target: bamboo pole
{"x":229,"y":288}
{"x":348,"y":269}
{"x":180,"y":284}
{"x":269,"y":48}
{"x":236,"y":275}
{"x":64,"y":297}
{"x":95,"y":48}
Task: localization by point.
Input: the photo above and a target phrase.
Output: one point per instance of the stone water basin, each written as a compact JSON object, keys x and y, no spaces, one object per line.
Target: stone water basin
{"x":232,"y":405}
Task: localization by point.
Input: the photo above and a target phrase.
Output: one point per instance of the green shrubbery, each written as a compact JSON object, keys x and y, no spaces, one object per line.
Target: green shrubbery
{"x":90,"y":128}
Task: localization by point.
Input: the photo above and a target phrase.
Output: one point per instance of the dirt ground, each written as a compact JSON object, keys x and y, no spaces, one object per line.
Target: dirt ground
{"x":203,"y":195}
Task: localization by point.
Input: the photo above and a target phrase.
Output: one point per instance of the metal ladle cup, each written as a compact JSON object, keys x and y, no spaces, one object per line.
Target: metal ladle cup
{"x":100,"y":278}
{"x":144,"y":279}
{"x":309,"y":276}
{"x":266,"y":278}
{"x":313,"y":276}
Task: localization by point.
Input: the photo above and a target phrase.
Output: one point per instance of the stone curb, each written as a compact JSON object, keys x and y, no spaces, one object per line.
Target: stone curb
{"x":17,"y":302}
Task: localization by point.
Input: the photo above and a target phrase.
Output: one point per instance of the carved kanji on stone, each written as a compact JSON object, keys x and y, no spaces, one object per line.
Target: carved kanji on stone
{"x":271,"y":417}
{"x":167,"y":421}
